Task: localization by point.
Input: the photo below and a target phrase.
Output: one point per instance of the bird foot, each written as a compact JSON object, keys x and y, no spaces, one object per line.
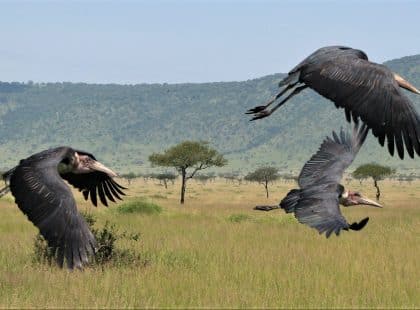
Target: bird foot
{"x":256,"y":109}
{"x":260,"y":115}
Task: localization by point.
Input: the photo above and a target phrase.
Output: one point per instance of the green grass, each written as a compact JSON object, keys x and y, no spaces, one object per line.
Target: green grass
{"x":139,"y":206}
{"x":158,"y":196}
{"x":197,"y":258}
{"x":237,"y":218}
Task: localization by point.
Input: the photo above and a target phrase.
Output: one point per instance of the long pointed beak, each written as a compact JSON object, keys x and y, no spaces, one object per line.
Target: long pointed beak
{"x":404,"y":84}
{"x":96,"y":165}
{"x":368,"y":202}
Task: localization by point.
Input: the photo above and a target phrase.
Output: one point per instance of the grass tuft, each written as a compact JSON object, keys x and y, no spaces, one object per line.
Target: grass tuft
{"x":139,"y":206}
{"x":237,"y":218}
{"x":158,"y":196}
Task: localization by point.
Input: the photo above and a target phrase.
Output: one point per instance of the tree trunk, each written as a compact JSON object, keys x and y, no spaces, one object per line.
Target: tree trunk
{"x":378,"y":192}
{"x":183,"y":185}
{"x":165,"y":183}
{"x":266,"y":187}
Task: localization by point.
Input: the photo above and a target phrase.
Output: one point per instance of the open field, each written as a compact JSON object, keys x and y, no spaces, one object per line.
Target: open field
{"x":215,"y":251}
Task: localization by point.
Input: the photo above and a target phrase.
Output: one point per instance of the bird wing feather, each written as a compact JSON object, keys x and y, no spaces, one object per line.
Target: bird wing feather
{"x":95,"y":184}
{"x":370,"y":92}
{"x":335,"y":154}
{"x":47,"y":201}
{"x":318,"y":207}
{"x":316,"y":203}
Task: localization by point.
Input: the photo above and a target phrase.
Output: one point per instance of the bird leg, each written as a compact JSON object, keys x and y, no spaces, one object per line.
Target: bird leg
{"x":265,"y":113}
{"x":263,"y":107}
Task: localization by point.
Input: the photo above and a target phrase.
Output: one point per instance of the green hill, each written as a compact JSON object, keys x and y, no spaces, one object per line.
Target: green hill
{"x":123,"y":124}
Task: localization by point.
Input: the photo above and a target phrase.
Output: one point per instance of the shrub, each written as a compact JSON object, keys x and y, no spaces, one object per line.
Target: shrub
{"x":107,"y":252}
{"x":139,"y":206}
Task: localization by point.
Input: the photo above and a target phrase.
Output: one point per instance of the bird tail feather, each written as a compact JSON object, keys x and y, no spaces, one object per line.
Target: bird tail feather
{"x":289,"y":203}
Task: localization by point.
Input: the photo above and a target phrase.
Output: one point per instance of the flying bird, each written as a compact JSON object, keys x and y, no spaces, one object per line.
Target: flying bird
{"x":366,"y":90}
{"x":40,"y":192}
{"x":316,"y":202}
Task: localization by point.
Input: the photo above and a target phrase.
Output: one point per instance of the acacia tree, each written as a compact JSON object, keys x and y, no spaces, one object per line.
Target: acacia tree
{"x":165,"y":177}
{"x":129,"y":176}
{"x":374,"y":171}
{"x":204,"y":178}
{"x":263,"y":176}
{"x":187,"y":158}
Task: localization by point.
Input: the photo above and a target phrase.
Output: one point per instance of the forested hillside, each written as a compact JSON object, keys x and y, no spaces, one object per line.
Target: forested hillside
{"x":123,"y":124}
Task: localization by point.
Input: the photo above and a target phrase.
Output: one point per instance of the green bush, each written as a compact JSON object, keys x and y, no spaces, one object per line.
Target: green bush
{"x":107,"y":252}
{"x":139,"y":206}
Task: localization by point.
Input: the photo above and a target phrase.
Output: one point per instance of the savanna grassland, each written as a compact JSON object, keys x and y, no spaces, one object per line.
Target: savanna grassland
{"x":215,"y":251}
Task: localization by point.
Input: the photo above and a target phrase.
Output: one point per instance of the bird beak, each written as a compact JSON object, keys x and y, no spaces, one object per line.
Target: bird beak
{"x":96,"y":165}
{"x":368,"y":202}
{"x":404,"y":84}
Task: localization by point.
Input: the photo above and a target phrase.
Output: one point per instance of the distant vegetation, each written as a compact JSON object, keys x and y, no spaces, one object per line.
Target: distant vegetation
{"x":263,"y":176}
{"x":188,"y":158}
{"x":123,"y":124}
{"x":376,"y":172}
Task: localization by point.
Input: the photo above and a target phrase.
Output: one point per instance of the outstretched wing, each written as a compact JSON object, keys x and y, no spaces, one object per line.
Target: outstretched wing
{"x":370,"y":92}
{"x":41,"y":194}
{"x":335,"y":154}
{"x":316,"y":204}
{"x":95,"y":184}
{"x":317,"y":207}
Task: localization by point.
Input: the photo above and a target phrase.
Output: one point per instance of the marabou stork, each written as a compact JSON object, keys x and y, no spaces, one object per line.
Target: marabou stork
{"x":40,"y":193}
{"x":317,"y":201}
{"x":365,"y":90}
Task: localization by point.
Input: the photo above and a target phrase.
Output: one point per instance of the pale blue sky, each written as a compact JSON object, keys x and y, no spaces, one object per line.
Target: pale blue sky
{"x":191,"y":41}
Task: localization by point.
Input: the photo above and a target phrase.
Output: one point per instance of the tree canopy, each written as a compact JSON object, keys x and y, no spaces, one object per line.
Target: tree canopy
{"x":192,"y":155}
{"x":375,"y":171}
{"x":263,"y":175}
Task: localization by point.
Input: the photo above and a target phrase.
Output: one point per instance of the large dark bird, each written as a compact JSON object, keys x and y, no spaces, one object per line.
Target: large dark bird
{"x":364,"y":89}
{"x":317,"y":201}
{"x":40,"y":193}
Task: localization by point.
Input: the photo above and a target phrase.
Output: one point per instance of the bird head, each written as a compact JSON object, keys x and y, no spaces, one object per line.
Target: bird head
{"x":82,"y":163}
{"x":350,"y":198}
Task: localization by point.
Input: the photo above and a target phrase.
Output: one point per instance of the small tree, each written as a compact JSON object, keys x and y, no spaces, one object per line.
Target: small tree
{"x":374,"y":171}
{"x":187,"y":158}
{"x":204,"y":178}
{"x":165,"y":177}
{"x":129,"y":176}
{"x":263,"y":175}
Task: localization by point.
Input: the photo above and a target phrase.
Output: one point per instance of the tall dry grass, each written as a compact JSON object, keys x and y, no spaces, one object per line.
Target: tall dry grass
{"x":199,"y":257}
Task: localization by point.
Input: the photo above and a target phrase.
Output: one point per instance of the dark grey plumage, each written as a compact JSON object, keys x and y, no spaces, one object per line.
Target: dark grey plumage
{"x":365,"y":90}
{"x":316,"y":203}
{"x":41,"y":194}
